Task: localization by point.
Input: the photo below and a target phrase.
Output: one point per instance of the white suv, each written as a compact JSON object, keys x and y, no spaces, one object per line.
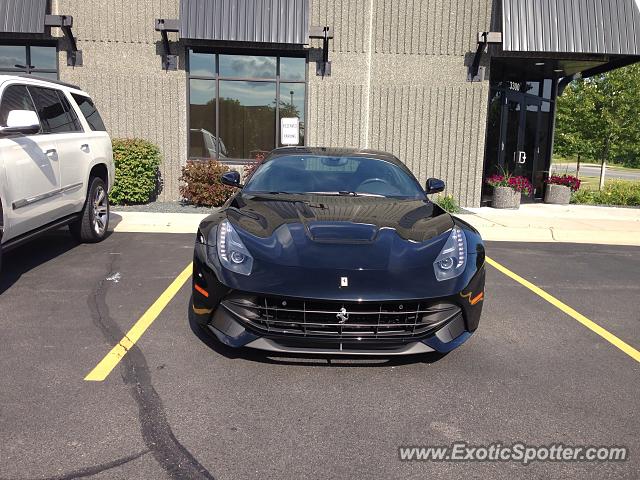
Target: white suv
{"x":56,"y":162}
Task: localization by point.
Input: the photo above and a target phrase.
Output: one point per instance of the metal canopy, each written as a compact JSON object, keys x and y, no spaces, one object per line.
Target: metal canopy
{"x":263,"y":21}
{"x":22,"y":16}
{"x":609,"y":27}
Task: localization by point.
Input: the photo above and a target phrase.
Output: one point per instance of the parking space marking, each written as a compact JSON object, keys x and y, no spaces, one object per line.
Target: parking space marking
{"x":591,"y":325}
{"x":109,"y":362}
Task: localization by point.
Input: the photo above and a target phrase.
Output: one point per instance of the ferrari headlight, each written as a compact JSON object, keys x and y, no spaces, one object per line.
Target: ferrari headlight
{"x":231,"y":251}
{"x":453,"y":258}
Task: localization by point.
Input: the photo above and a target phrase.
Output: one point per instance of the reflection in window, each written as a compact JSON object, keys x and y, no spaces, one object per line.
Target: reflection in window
{"x":41,"y":61}
{"x":546,"y":89}
{"x":240,"y":119}
{"x":494,"y":119}
{"x":47,"y":75}
{"x":90,"y":112}
{"x":247,"y":117}
{"x":247,"y":66}
{"x":15,"y":97}
{"x":293,"y":68}
{"x":202,"y":64}
{"x":54,"y":111}
{"x":292,"y":104}
{"x":12,"y":56}
{"x":202,"y":116}
{"x":43,"y":58}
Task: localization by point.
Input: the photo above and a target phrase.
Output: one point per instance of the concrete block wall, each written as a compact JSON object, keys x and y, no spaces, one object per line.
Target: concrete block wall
{"x":398,"y":82}
{"x":123,"y":73}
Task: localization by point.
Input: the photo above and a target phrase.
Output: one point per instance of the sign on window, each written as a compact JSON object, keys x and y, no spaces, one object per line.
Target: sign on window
{"x":290,"y":131}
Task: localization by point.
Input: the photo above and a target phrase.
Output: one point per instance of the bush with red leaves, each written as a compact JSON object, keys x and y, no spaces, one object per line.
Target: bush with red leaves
{"x":202,"y":185}
{"x":519,"y":184}
{"x":567,"y":180}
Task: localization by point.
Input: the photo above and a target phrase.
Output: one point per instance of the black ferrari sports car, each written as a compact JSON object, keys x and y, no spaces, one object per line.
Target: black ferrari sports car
{"x":337,"y":251}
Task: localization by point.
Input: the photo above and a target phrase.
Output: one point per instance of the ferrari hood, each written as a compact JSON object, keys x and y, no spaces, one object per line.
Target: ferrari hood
{"x":306,"y":247}
{"x":338,"y":219}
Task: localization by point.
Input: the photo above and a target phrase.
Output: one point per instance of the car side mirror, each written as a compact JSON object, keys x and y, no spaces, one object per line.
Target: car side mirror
{"x":231,"y":179}
{"x":24,"y":122}
{"x":434,"y":185}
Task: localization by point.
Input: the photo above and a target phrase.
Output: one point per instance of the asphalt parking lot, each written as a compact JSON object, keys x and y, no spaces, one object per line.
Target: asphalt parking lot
{"x":179,"y":405}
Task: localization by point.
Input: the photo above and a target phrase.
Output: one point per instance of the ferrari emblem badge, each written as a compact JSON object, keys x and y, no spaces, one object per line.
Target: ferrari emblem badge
{"x":344,"y":281}
{"x":342,"y":316}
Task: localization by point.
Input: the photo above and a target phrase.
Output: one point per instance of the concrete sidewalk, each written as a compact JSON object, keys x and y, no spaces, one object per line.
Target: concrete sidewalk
{"x":531,"y":223}
{"x":558,"y":223}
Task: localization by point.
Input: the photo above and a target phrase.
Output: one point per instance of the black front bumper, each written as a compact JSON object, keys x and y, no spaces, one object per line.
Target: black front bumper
{"x":241,"y":319}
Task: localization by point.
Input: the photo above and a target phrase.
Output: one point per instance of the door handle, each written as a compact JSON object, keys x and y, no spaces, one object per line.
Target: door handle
{"x":52,"y":153}
{"x":85,"y":147}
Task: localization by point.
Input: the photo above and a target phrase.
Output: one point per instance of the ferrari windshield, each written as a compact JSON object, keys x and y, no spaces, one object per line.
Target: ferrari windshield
{"x":334,"y":176}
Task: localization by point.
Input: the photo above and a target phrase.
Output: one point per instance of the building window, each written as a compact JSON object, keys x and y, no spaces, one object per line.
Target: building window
{"x":236,"y":103}
{"x":37,"y":60}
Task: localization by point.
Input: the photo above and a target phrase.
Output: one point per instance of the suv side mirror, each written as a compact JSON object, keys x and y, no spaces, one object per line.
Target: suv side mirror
{"x":434,"y":185}
{"x":24,"y":122}
{"x":232,"y":179}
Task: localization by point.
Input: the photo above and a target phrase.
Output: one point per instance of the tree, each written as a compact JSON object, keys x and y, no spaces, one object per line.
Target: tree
{"x":599,"y":117}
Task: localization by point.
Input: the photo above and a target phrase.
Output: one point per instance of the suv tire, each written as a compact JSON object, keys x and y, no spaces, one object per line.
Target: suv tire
{"x":91,"y":226}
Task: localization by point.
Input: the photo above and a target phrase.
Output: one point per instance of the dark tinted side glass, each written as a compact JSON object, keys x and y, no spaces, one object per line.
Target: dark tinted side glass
{"x":90,"y":112}
{"x":15,"y":97}
{"x":54,"y":111}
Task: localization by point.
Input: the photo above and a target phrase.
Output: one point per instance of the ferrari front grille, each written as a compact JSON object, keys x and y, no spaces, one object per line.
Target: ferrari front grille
{"x":355,"y":320}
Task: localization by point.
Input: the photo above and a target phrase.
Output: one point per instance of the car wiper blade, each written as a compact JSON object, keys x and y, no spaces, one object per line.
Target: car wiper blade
{"x":273,"y":193}
{"x":343,"y":193}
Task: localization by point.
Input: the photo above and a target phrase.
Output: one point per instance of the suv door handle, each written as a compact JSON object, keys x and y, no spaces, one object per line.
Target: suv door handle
{"x":85,"y":147}
{"x":51,"y":153}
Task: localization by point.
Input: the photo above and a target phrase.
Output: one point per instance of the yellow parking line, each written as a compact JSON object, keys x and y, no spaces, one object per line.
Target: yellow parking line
{"x":109,"y":362}
{"x":594,"y":327}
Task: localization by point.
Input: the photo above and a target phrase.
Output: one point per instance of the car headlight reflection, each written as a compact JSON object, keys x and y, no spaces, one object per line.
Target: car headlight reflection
{"x":232,"y":253}
{"x":453,"y":258}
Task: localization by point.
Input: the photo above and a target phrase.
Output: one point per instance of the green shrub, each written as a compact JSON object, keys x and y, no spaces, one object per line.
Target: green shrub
{"x":137,"y":176}
{"x":202,"y":185}
{"x":615,"y":192}
{"x":447,"y":203}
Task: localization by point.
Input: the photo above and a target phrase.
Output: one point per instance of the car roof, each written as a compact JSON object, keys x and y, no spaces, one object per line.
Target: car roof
{"x":35,"y":80}
{"x":335,"y":152}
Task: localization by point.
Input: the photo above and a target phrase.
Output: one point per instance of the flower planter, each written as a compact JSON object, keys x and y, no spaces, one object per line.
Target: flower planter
{"x":557,"y":194}
{"x":505,"y":197}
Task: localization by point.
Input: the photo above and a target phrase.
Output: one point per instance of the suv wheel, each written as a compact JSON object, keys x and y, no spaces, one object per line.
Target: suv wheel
{"x":92,"y":225}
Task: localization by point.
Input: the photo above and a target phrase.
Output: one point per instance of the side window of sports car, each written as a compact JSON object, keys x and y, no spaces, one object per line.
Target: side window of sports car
{"x":15,"y":97}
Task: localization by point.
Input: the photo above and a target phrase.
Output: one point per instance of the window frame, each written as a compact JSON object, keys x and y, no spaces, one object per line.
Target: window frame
{"x":276,"y":81}
{"x":31,"y":72}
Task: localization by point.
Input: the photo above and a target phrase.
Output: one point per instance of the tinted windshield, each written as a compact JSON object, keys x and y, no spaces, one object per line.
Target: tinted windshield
{"x":333,"y":176}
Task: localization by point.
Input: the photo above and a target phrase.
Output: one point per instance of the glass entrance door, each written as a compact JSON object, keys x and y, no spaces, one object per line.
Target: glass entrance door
{"x":519,"y":137}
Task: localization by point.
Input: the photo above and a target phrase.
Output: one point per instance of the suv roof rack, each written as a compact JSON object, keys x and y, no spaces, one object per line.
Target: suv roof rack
{"x":57,"y":82}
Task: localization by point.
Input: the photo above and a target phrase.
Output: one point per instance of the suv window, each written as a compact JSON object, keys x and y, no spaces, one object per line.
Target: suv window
{"x":15,"y":97}
{"x":54,"y":110}
{"x":90,"y":112}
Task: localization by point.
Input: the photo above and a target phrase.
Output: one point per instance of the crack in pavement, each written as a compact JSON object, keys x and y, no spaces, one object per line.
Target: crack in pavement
{"x":94,"y":470}
{"x":156,"y":432}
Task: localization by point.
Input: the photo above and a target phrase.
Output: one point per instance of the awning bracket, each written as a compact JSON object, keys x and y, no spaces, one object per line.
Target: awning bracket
{"x":476,"y":72}
{"x":164,"y":26}
{"x":65,"y":23}
{"x":323,"y":68}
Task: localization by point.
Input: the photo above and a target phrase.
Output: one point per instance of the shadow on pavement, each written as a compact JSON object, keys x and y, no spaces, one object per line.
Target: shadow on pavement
{"x":304,"y":360}
{"x":33,"y":254}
